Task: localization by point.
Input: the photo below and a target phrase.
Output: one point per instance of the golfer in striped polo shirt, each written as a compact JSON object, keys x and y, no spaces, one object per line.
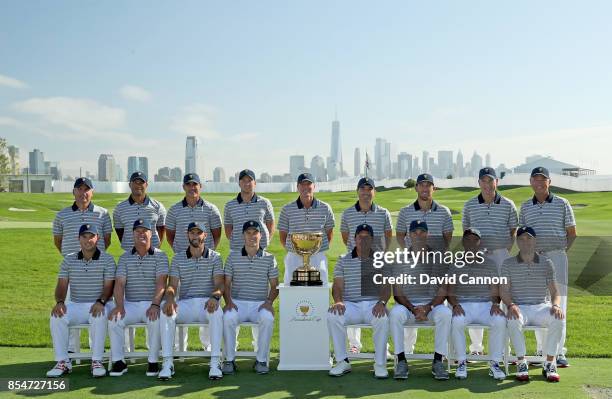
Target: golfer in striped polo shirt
{"x":140,"y":283}
{"x":307,"y":214}
{"x":437,"y":216}
{"x":365,"y":211}
{"x":251,"y":280}
{"x":90,"y":274}
{"x":83,"y":211}
{"x":197,"y":275}
{"x":68,"y":221}
{"x":495,"y":216}
{"x":530,"y":278}
{"x":247,"y":206}
{"x":476,"y":303}
{"x":439,"y":224}
{"x":139,"y":206}
{"x":351,"y":307}
{"x":193,"y":208}
{"x":552,"y":217}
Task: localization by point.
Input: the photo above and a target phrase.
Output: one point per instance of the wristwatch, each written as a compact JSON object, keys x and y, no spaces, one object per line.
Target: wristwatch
{"x":217,"y":297}
{"x":383,"y":302}
{"x":102,"y":301}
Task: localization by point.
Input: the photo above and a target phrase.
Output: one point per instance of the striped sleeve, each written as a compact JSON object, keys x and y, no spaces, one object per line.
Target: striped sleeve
{"x":569,"y":215}
{"x":117,"y":218}
{"x":401,"y":221}
{"x":339,"y":268}
{"x":330,"y":221}
{"x":447,"y":226}
{"x":171,"y":219}
{"x":522,"y":214}
{"x":273,"y":269}
{"x":551,"y":276}
{"x":215,"y":217}
{"x":228,"y":270}
{"x":161,"y":220}
{"x":388,"y":222}
{"x":465,"y":217}
{"x":174,"y":269}
{"x":227,"y":214}
{"x":64,"y":270}
{"x":344,"y":227}
{"x":58,"y":226}
{"x":269,"y":215}
{"x":121,"y":267}
{"x":161,"y":265}
{"x":109,"y":268}
{"x":218,"y":266}
{"x":283,"y":220}
{"x":107,"y":225}
{"x":513,"y":216}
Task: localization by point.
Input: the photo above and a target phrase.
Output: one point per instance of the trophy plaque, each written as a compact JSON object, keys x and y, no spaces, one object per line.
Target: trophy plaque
{"x":306,"y":245}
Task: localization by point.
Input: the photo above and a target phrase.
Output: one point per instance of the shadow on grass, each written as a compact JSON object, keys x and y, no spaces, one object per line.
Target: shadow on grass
{"x":192,"y":378}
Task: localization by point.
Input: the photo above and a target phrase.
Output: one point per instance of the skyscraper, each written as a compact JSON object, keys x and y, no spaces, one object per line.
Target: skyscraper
{"x":445,"y":163}
{"x":176,"y":174}
{"x":219,"y":175}
{"x":317,"y":168}
{"x":132,"y":166}
{"x":296,"y":165}
{"x":13,"y":153}
{"x":191,"y":155}
{"x":476,"y":164}
{"x":488,"y":160}
{"x":143,"y":165}
{"x":37,"y":162}
{"x":382,"y":158}
{"x":459,"y":168}
{"x":357,"y":162}
{"x":404,"y":164}
{"x":106,"y":167}
{"x":425,"y":160}
{"x":334,"y":166}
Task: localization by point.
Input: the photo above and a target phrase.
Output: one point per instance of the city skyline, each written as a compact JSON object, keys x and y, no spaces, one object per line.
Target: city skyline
{"x":419,"y":80}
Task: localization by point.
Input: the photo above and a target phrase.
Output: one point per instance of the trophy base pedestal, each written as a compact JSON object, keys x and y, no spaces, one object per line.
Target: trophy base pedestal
{"x":306,"y":283}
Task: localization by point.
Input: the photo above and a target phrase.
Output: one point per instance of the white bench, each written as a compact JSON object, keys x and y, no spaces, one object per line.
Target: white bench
{"x":132,"y":354}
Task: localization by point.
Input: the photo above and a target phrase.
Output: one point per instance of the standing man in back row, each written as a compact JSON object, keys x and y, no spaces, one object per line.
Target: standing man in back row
{"x":496,"y":218}
{"x":552,"y":217}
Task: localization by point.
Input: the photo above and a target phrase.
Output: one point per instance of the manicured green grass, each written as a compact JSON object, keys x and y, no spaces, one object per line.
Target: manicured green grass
{"x":29,"y":265}
{"x":584,"y":377}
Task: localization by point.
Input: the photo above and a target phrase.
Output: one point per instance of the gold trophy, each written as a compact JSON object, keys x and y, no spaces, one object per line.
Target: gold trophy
{"x":306,"y":245}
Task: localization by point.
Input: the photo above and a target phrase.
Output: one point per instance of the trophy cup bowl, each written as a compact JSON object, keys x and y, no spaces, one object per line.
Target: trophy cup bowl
{"x":306,"y":245}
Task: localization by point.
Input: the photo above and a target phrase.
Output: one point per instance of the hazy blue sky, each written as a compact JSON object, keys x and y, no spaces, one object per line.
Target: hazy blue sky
{"x":258,"y":81}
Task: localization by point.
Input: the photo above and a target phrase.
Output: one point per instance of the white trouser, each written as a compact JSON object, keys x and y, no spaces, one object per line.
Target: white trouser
{"x":359,"y":313}
{"x":560,"y":262}
{"x":440,"y":315}
{"x":479,"y":313}
{"x":205,"y":336}
{"x":535,"y":315}
{"x":497,"y":256}
{"x":192,"y":310}
{"x":293,"y":261}
{"x":135,"y":312}
{"x":78,"y":313}
{"x":248,"y":311}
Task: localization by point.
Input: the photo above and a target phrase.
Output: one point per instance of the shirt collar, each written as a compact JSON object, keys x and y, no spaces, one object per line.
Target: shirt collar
{"x":315,"y":203}
{"x":95,"y":256}
{"x":151,"y":251}
{"x":434,"y":205}
{"x":89,"y":207}
{"x":132,"y":202}
{"x":200,"y":202}
{"x":496,"y":200}
{"x":354,"y":253}
{"x":373,"y":207}
{"x":259,"y":253}
{"x":548,"y":199}
{"x":536,"y":258}
{"x":240,"y":200}
{"x":205,"y":254}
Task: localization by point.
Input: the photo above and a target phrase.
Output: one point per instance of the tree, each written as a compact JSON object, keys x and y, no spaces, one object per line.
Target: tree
{"x":410,"y":183}
{"x":502,"y":175}
{"x":449,"y":176}
{"x":4,"y":165}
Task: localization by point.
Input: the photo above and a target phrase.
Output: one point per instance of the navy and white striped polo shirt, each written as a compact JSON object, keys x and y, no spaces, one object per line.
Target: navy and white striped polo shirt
{"x":494,"y":220}
{"x":377,"y":217}
{"x":466,"y":292}
{"x":549,"y":220}
{"x":529,"y":281}
{"x":196,"y":275}
{"x":295,"y":218}
{"x":237,"y":212}
{"x":86,"y":277}
{"x":181,"y":214}
{"x":416,"y":291}
{"x":69,"y":220}
{"x":128,"y":211}
{"x":250,"y":275}
{"x":438,"y":218}
{"x":141,"y":273}
{"x":348,"y":268}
